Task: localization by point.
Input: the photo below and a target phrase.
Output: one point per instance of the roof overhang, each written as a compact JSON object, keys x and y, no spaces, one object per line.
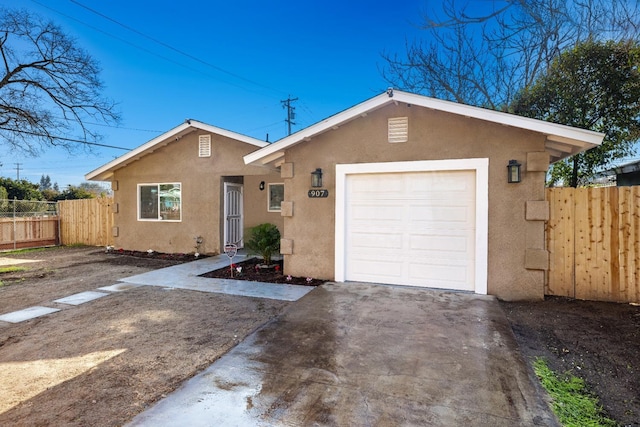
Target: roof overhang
{"x":105,"y":172}
{"x":561,"y":141}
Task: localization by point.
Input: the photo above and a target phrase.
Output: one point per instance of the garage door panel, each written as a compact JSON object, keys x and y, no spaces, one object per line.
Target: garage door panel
{"x":380,"y":212}
{"x":411,"y":228}
{"x":425,"y":245}
{"x":381,"y":241}
{"x":366,"y":270}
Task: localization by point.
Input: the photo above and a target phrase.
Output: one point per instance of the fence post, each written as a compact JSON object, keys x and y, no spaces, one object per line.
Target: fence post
{"x":59,"y":239}
{"x":15,"y":228}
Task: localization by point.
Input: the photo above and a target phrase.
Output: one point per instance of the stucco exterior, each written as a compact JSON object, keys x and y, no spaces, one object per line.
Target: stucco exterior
{"x":433,"y":135}
{"x":202,"y":181}
{"x":510,"y":253}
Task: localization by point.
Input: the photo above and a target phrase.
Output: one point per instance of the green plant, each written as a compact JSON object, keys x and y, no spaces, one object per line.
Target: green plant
{"x":571,"y":402}
{"x":11,"y":269}
{"x":264,"y":240}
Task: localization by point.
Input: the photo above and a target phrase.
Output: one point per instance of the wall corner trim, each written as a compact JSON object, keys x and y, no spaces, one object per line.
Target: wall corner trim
{"x":538,"y":161}
{"x":286,"y":246}
{"x":286,"y":209}
{"x":286,"y":170}
{"x":537,"y":210}
{"x":536,"y":259}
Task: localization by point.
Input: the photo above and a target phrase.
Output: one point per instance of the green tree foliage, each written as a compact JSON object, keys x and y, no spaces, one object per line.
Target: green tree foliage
{"x":595,"y":86}
{"x":484,"y":53}
{"x":50,"y":91}
{"x":21,"y":190}
{"x":73,"y":193}
{"x":45,"y":182}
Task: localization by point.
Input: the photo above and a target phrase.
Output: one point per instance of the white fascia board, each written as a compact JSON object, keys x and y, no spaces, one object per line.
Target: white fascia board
{"x":104,"y":172}
{"x":229,"y":134}
{"x":327,"y":124}
{"x":581,"y":138}
{"x":578,"y":137}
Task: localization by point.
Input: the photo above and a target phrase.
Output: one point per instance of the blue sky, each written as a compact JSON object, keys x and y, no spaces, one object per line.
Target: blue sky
{"x":244,"y":57}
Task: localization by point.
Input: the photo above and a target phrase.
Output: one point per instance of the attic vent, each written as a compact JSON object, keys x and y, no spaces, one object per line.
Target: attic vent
{"x":398,"y":129}
{"x":204,"y":146}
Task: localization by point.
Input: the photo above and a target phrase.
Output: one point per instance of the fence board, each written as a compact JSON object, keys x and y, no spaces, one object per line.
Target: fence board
{"x":560,"y":243}
{"x":29,"y":232}
{"x":87,"y":221}
{"x":601,"y":226}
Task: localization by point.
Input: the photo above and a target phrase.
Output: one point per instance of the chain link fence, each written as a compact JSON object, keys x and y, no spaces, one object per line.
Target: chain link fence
{"x":28,"y":223}
{"x":27,"y":208}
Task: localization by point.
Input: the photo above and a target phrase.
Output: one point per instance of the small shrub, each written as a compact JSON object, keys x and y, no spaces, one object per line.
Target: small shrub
{"x":264,"y":240}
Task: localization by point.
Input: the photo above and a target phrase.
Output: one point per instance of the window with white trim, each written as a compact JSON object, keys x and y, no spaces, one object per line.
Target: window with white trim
{"x":159,"y":202}
{"x":276,"y":196}
{"x":204,"y":146}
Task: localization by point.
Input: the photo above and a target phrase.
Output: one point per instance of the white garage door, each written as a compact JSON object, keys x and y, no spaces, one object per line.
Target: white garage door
{"x":411,"y":228}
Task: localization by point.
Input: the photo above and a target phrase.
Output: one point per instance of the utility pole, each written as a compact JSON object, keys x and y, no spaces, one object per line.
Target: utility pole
{"x":18,"y":170}
{"x":291,"y":113}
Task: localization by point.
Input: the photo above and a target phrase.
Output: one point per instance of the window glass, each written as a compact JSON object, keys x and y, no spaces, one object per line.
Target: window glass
{"x":276,"y":196}
{"x":160,"y":202}
{"x":148,"y":202}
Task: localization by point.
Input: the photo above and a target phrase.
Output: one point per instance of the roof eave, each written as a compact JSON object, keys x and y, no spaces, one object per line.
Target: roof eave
{"x":105,"y":172}
{"x":562,"y":141}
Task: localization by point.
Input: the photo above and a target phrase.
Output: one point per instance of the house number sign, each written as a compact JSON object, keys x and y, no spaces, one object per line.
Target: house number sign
{"x":315,"y":194}
{"x":231,"y":250}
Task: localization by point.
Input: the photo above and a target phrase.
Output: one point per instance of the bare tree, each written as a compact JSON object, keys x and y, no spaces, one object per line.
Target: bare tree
{"x":50,"y":91}
{"x":485,"y":57}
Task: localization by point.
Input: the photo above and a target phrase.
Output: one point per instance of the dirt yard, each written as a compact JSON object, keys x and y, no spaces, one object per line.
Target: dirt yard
{"x":596,"y":341}
{"x":101,"y":363}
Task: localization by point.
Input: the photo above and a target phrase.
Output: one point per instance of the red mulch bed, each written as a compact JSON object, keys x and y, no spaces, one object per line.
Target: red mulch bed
{"x":250,"y":270}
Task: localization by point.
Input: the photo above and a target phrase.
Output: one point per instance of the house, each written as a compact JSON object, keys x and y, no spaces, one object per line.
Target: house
{"x":624,"y":175}
{"x":415,"y":192}
{"x":182,"y":192}
{"x":400,"y":189}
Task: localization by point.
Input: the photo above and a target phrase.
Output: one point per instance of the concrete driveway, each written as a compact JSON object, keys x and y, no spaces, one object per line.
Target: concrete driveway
{"x":367,"y":355}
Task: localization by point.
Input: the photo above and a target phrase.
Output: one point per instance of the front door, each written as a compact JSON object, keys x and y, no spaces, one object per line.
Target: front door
{"x":234,"y":223}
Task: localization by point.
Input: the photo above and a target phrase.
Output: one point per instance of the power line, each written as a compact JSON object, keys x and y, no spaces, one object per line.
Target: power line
{"x":61,"y":138}
{"x":168,"y":46}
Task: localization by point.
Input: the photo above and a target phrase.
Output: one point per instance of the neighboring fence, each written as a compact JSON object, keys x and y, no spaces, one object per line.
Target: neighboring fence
{"x":593,"y":236}
{"x":86,"y":221}
{"x":27,"y":224}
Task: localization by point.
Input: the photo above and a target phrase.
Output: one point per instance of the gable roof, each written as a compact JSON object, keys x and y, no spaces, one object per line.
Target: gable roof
{"x":561,"y":141}
{"x":105,"y":172}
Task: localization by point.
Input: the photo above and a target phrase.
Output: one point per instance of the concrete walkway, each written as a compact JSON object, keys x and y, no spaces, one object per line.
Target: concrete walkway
{"x":367,"y":355}
{"x":186,"y":276}
{"x":181,"y":276}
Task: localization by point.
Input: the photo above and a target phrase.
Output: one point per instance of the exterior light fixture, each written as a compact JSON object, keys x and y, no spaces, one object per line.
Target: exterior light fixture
{"x":316,"y":178}
{"x":261,"y":186}
{"x":513,"y":171}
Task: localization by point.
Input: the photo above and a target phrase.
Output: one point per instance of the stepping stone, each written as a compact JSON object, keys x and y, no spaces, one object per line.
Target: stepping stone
{"x":27,"y":314}
{"x":119,"y":287}
{"x":81,"y":298}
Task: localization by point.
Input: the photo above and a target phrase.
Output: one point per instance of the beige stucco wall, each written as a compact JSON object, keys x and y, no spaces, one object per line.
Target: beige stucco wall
{"x":433,"y":135}
{"x":202,"y":181}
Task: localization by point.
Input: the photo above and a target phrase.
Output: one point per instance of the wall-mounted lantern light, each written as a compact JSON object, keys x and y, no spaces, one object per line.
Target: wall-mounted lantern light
{"x":316,"y":178}
{"x":513,"y":171}
{"x":261,"y":186}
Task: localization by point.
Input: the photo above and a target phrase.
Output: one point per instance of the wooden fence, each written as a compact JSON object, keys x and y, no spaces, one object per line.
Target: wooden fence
{"x":28,"y":232}
{"x":86,"y":221}
{"x":593,"y":236}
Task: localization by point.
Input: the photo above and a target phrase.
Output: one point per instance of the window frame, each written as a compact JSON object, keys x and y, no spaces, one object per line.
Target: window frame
{"x":159,"y":199}
{"x":273,"y":207}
